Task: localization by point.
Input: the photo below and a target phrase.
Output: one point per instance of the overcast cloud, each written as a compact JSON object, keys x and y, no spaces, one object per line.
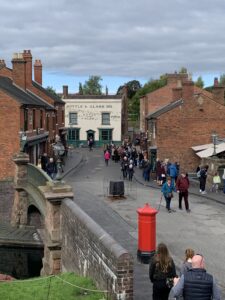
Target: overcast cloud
{"x":135,"y":38}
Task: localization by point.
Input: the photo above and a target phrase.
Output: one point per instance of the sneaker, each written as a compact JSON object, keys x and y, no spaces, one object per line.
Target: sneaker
{"x":204,"y":192}
{"x":188,"y":210}
{"x":180,"y":208}
{"x":200,"y":191}
{"x":169,"y":210}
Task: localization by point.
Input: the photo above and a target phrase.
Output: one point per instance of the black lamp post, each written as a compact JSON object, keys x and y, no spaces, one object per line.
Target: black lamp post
{"x":59,"y":150}
{"x":214,"y":140}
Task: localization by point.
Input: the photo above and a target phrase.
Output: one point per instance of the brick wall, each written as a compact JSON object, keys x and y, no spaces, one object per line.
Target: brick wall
{"x":88,"y":250}
{"x":9,"y":129}
{"x":189,"y":125}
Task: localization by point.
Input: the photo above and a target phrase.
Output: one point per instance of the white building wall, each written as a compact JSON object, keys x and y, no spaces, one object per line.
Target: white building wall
{"x":89,"y":112}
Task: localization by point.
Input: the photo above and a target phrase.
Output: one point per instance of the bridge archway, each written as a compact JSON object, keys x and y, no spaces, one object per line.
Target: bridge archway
{"x":38,"y":203}
{"x":34,"y":217}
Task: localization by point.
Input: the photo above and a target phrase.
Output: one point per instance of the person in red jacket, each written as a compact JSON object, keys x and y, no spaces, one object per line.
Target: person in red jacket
{"x":182,"y":186}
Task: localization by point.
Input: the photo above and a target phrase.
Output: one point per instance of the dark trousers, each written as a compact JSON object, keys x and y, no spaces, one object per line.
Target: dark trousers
{"x":202,"y":183}
{"x":160,"y":290}
{"x":185,"y":196}
{"x":168,"y":201}
{"x":106,"y":162}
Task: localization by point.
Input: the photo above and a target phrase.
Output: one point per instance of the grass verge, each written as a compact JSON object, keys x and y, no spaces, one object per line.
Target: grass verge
{"x":63,"y":287}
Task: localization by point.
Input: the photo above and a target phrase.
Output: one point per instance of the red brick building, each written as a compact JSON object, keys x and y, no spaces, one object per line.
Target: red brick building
{"x":31,"y":116}
{"x":179,"y":116}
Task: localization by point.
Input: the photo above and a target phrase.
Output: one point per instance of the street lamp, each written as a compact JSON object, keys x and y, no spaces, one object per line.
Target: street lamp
{"x":59,"y":150}
{"x":214,"y":140}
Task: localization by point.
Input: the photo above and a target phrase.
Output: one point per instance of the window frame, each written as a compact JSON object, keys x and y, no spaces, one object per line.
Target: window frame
{"x":70,"y":119}
{"x":106,"y":121}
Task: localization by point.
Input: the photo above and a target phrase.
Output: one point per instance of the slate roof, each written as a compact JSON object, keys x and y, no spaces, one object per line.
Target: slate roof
{"x":56,"y":98}
{"x":24,"y":97}
{"x":164,"y":109}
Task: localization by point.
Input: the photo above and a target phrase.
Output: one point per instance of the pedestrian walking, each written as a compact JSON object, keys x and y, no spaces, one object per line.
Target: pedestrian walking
{"x":51,"y":168}
{"x":187,"y":263}
{"x":196,"y":283}
{"x":90,"y":143}
{"x":107,"y":157}
{"x":172,"y":172}
{"x":161,"y":273}
{"x":44,"y":162}
{"x":167,"y":189}
{"x":182,"y":186}
{"x":216,"y":182}
{"x":202,"y":179}
{"x":223,"y":177}
{"x":124,"y":167}
{"x":130,"y":170}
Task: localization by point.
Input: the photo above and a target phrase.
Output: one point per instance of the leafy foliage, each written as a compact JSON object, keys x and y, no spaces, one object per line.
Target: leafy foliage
{"x":51,"y":90}
{"x":132,"y":87}
{"x":199,"y":82}
{"x":92,"y":86}
{"x":80,"y":89}
{"x":222,"y":79}
{"x":183,"y":70}
{"x":150,"y":86}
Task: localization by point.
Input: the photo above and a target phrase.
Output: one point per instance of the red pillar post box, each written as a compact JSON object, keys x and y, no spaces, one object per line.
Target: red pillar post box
{"x":146,"y":233}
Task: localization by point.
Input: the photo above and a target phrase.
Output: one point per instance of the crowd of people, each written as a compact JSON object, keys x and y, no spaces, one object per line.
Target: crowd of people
{"x":193,"y":282}
{"x":49,"y":165}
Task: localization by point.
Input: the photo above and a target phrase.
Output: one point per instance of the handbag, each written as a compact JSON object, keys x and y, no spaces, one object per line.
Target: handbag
{"x":169,"y":282}
{"x":170,"y":195}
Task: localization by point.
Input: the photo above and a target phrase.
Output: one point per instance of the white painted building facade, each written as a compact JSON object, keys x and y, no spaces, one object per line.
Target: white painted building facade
{"x":98,"y":117}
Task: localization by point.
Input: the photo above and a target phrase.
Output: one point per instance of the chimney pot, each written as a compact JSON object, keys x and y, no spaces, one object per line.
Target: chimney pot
{"x":216,"y":82}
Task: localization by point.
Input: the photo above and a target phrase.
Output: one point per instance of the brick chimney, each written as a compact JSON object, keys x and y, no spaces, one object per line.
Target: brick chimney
{"x":177,"y":93}
{"x":188,"y":90}
{"x":19,"y":70}
{"x":175,"y":77}
{"x":65,"y":91}
{"x":28,"y":58}
{"x":218,"y":92}
{"x":2,"y":63}
{"x":38,"y":71}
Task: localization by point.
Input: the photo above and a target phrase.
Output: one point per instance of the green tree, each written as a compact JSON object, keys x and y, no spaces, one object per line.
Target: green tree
{"x":132,"y":87}
{"x":199,"y":82}
{"x":51,"y":90}
{"x":150,"y":86}
{"x":183,"y":70}
{"x":222,"y":80}
{"x":80,"y":89}
{"x":92,"y":86}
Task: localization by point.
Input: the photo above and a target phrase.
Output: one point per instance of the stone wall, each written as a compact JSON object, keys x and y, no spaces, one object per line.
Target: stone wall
{"x":7,"y":193}
{"x":88,"y":250}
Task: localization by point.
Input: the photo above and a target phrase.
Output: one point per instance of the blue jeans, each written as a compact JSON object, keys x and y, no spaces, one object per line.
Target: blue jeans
{"x":168,"y":201}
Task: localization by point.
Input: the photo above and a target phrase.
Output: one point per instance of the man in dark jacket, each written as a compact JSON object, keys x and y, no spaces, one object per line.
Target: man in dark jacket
{"x":182,"y":186}
{"x":196,"y":283}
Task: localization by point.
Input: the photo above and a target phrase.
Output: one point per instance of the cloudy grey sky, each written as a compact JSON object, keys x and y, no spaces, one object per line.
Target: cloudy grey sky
{"x":137,"y":39}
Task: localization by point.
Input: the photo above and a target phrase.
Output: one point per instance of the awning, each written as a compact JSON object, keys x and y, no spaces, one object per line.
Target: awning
{"x":209,"y":151}
{"x":202,"y":147}
{"x":37,"y":139}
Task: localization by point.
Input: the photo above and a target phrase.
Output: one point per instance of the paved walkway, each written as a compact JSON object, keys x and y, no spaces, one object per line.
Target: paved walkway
{"x":119,"y":218}
{"x":75,"y":159}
